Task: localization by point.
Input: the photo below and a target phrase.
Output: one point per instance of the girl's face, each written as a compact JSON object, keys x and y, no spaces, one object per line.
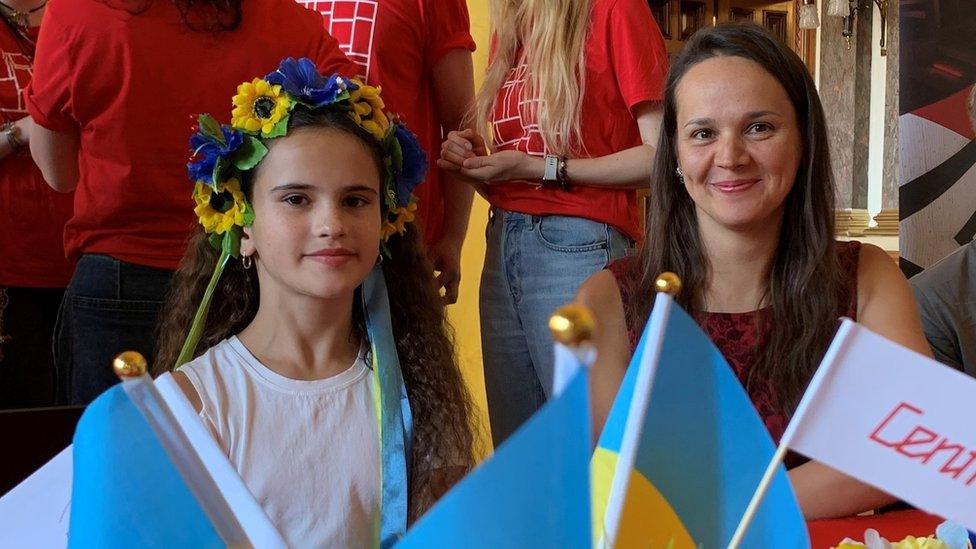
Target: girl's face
{"x":316,"y":202}
{"x":738,"y":142}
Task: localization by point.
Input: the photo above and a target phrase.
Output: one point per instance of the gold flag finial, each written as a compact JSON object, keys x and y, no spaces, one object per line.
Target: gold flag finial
{"x":129,"y":364}
{"x":572,"y":325}
{"x":668,"y":283}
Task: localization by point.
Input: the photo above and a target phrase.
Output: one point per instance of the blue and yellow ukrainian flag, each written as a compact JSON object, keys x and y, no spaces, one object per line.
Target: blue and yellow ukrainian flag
{"x":533,"y":491}
{"x":683,"y":450}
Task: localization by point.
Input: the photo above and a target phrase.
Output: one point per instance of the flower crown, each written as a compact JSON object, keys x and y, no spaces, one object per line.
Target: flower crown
{"x":220,"y":154}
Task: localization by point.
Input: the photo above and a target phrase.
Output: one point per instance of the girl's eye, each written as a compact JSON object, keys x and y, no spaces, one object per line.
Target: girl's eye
{"x":356,"y":201}
{"x":703,"y":133}
{"x":295,"y":200}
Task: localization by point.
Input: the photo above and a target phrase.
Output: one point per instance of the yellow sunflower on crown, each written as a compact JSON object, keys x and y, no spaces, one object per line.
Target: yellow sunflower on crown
{"x":368,"y":109}
{"x":403,"y":215}
{"x":219,"y":210}
{"x":259,"y":105}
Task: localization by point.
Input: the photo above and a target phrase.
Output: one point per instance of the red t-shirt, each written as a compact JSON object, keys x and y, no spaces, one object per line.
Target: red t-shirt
{"x":129,"y":84}
{"x":396,"y":44}
{"x":32,"y":215}
{"x":626,"y":63}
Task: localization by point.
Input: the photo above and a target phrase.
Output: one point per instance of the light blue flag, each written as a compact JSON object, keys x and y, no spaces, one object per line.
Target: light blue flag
{"x":698,"y":450}
{"x":126,"y":492}
{"x":531,"y":493}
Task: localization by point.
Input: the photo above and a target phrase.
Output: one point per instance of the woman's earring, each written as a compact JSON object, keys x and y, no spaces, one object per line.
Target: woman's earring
{"x":246,"y":262}
{"x":681,"y":176}
{"x":379,"y":259}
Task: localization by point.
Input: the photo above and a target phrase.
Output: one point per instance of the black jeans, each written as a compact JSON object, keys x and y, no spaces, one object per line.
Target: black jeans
{"x":27,"y":318}
{"x":110,"y":306}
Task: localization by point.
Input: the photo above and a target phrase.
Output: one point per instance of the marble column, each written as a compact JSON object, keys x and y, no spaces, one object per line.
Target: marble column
{"x":845,"y":91}
{"x":887,"y":219}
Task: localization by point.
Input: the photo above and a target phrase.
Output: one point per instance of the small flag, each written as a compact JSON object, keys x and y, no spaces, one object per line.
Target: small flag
{"x":683,"y":450}
{"x":894,"y":419}
{"x":532,"y":491}
{"x":142,"y":478}
{"x":126,"y":491}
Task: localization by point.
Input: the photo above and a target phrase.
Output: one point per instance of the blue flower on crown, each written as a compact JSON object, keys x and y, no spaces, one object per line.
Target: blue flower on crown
{"x":301,"y":80}
{"x":208,"y":148}
{"x":413,"y":167}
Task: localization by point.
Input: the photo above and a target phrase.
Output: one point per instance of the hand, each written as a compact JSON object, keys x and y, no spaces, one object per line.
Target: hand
{"x":446,"y":257}
{"x":26,"y":124}
{"x":502,"y":167}
{"x":459,"y":146}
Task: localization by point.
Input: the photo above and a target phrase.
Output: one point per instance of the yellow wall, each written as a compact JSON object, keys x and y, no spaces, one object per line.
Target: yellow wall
{"x":464,"y":314}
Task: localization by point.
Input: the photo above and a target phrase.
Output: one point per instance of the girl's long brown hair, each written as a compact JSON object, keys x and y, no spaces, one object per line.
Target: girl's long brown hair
{"x":804,"y":284}
{"x":443,"y":438}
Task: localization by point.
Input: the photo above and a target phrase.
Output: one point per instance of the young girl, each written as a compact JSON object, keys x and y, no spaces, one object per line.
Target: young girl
{"x":340,"y":433}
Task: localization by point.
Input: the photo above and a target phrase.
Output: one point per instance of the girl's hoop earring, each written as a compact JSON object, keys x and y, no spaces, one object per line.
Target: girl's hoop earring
{"x":246,"y":262}
{"x":379,"y":259}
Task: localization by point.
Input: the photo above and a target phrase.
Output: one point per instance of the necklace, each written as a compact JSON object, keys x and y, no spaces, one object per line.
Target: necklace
{"x":20,"y":18}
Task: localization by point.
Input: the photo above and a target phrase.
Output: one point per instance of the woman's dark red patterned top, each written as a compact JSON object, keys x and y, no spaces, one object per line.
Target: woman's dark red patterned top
{"x":737,"y":334}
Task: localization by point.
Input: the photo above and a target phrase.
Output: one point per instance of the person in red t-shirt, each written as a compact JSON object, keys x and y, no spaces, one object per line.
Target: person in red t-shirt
{"x":33,"y":269}
{"x":113,"y":88}
{"x":571,"y":100}
{"x":420,"y":52}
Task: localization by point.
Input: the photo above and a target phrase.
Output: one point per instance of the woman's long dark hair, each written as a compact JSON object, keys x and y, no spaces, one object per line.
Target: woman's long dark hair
{"x":198,"y":15}
{"x":442,"y":410}
{"x":805,"y":280}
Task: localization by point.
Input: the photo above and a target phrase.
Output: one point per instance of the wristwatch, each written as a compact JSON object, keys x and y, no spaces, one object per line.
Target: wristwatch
{"x":551,"y":175}
{"x":555,"y":173}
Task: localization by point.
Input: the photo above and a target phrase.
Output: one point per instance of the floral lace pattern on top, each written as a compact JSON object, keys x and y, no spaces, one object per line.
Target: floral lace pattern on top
{"x":738,"y":335}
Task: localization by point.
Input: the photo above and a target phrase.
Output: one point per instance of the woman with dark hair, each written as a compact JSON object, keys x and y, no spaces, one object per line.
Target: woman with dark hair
{"x":114,"y":85}
{"x":744,"y":215}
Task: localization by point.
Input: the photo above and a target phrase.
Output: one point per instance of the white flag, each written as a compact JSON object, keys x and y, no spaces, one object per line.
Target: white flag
{"x":894,"y":419}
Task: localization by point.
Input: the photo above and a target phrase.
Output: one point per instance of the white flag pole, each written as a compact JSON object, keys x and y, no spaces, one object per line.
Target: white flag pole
{"x":813,"y":389}
{"x":757,"y":497}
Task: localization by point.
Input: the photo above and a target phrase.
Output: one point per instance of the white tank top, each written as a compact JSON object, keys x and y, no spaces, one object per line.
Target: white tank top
{"x":307,"y":450}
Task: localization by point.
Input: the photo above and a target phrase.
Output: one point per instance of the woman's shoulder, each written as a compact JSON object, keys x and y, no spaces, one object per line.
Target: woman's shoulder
{"x":875,"y":268}
{"x":604,"y":295}
{"x":607,"y":284}
{"x":885,"y":303}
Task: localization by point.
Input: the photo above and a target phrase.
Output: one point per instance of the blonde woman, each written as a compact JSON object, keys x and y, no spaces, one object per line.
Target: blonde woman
{"x":570,"y":101}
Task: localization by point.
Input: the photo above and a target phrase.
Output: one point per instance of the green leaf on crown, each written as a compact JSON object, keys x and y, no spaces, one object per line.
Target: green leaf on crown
{"x":221,"y":171}
{"x":280,"y":129}
{"x":231,"y":244}
{"x":248,"y":214}
{"x":216,"y":240}
{"x":250,"y":153}
{"x":211,"y":128}
{"x":392,"y":144}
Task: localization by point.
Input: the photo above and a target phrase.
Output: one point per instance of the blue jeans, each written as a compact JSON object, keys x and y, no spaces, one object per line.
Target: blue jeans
{"x":533,"y":265}
{"x":110,"y":306}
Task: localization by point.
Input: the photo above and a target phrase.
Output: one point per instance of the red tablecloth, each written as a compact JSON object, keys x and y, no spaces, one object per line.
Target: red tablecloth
{"x":894,"y":526}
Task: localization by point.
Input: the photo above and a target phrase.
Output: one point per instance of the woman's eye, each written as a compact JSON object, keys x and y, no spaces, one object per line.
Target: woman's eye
{"x":702,"y":134}
{"x":759,"y":127}
{"x":295,"y":200}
